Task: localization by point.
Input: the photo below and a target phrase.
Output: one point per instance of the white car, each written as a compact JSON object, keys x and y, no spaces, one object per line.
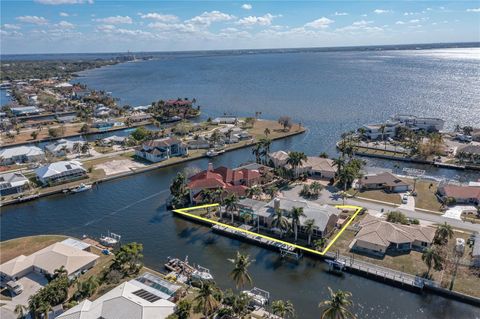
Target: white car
{"x":405,"y":199}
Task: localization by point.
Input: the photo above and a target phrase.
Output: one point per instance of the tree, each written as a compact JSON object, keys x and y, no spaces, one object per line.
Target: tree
{"x":295,"y":159}
{"x":85,"y":128}
{"x":257,"y":152}
{"x":397,"y":217}
{"x":141,"y":134}
{"x":179,"y":191}
{"x":60,"y":272}
{"x":279,"y":221}
{"x":286,"y":122}
{"x":20,"y":311}
{"x":323,"y":155}
{"x":266,"y":132}
{"x":253,"y":191}
{"x":283,"y":309}
{"x":34,"y":135}
{"x":337,"y":306}
{"x":231,"y":204}
{"x":295,"y":214}
{"x":240,"y":274}
{"x":443,"y":233}
{"x":128,"y":259}
{"x":309,"y":228}
{"x":183,"y":309}
{"x":319,"y":243}
{"x":432,"y":258}
{"x":85,"y":148}
{"x":87,"y":288}
{"x":207,"y":299}
{"x":53,"y":132}
{"x":272,"y":191}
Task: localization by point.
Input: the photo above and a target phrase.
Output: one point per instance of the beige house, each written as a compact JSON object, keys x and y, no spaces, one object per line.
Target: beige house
{"x":378,"y":236}
{"x":314,"y":166}
{"x":48,"y":259}
{"x":386,"y":181}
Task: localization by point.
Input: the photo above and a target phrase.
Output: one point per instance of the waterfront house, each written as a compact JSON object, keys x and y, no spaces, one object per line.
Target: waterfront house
{"x":112,"y":140}
{"x":101,"y":110}
{"x":103,"y":124}
{"x":62,"y":147}
{"x":140,"y":118}
{"x":13,"y":183}
{"x":231,"y":181}
{"x":199,"y":143}
{"x":377,"y":131}
{"x":60,"y":172}
{"x":26,"y":110}
{"x":377,"y":237}
{"x":386,"y":181}
{"x":161,"y":149}
{"x":146,"y":297}
{"x":278,"y":158}
{"x":45,"y":261}
{"x":225,"y":120}
{"x":21,"y":154}
{"x":325,"y":217}
{"x":463,"y":194}
{"x":415,"y":123}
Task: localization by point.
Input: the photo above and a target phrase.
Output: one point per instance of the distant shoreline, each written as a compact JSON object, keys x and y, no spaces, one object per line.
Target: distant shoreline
{"x":97,"y":55}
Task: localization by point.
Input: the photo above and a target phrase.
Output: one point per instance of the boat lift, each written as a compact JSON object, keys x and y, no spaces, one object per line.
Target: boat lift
{"x":290,"y":254}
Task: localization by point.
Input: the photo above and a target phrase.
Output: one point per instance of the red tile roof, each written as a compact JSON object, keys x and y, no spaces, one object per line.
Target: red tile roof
{"x":457,"y":191}
{"x":223,"y":177}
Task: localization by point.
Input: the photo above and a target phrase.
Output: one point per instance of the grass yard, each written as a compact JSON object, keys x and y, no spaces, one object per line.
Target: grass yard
{"x":377,"y":195}
{"x":426,"y":198}
{"x":26,"y":245}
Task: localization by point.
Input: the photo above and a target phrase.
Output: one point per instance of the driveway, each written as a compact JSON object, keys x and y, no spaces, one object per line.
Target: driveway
{"x":410,"y":205}
{"x":456,"y":211}
{"x":31,"y":284}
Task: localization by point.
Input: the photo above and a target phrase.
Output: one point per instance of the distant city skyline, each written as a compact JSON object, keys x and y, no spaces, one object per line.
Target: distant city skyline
{"x":81,"y":26}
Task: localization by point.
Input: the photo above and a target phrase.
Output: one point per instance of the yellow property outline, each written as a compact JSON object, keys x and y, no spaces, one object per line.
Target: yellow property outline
{"x":183,"y":211}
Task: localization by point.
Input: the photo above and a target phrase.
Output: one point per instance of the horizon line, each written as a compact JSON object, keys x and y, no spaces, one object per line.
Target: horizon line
{"x":465,"y":44}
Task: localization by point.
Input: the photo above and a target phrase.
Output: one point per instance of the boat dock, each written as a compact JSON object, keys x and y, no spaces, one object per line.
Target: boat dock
{"x":258,"y":240}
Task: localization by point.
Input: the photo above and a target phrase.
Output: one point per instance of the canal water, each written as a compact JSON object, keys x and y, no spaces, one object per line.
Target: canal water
{"x":329,"y":93}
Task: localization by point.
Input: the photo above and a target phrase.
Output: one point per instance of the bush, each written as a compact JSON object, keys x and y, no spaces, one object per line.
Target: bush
{"x":397,"y":217}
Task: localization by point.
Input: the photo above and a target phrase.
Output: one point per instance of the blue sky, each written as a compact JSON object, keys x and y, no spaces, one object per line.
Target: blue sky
{"x":67,"y":26}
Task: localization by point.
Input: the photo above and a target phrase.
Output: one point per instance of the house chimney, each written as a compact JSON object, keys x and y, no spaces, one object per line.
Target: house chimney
{"x":210,"y":167}
{"x":276,"y":204}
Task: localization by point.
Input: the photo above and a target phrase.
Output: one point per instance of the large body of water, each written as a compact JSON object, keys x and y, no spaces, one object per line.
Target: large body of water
{"x":329,"y":92}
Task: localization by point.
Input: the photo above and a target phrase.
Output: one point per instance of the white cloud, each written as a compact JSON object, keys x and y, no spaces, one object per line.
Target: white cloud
{"x":64,"y":14}
{"x":399,"y":22}
{"x":58,"y":2}
{"x":321,"y":23}
{"x":116,"y":20}
{"x":381,"y":11}
{"x":473,"y":10}
{"x":362,"y":23}
{"x":160,"y":17}
{"x":65,"y":25}
{"x":414,"y":21}
{"x":175,"y":27}
{"x":208,"y":18}
{"x":341,"y":14}
{"x":254,"y":20}
{"x":11,"y":34}
{"x":247,"y":6}
{"x":11,"y":26}
{"x":32,"y":19}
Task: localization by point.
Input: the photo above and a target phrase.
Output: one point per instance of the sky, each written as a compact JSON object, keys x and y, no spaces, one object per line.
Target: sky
{"x":78,"y":26}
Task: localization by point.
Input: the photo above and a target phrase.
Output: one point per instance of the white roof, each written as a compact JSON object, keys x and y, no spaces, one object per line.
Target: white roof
{"x":57,"y":168}
{"x":50,"y":258}
{"x":21,"y":151}
{"x":63,"y":85}
{"x":14,"y":179}
{"x":122,"y":302}
{"x":279,"y":155}
{"x":58,"y":145}
{"x":76,"y":243}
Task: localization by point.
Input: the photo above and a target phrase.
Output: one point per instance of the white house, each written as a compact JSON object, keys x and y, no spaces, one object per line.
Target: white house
{"x":279,"y":158}
{"x":420,"y":123}
{"x":47,"y":260}
{"x":12,"y":183}
{"x":59,"y":172}
{"x":374,"y":131}
{"x":62,"y":146}
{"x":476,"y":252}
{"x":146,"y":297}
{"x":26,"y":110}
{"x":21,"y":154}
{"x":161,"y":149}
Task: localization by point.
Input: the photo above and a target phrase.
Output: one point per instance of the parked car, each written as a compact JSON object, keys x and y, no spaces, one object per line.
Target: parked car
{"x":405,"y":199}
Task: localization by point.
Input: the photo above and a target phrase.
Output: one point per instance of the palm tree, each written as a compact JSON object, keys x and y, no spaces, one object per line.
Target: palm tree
{"x":279,"y":221}
{"x":266,"y":132}
{"x":231,"y":204}
{"x":309,"y":228}
{"x":183,"y":309}
{"x":257,"y":151}
{"x":337,"y":306}
{"x":255,"y":190}
{"x":316,"y":187}
{"x":20,"y":311}
{"x":283,"y":309}
{"x":443,"y":233}
{"x":295,"y":159}
{"x":272,"y":191}
{"x":60,"y":272}
{"x":319,"y":243}
{"x":207,"y":300}
{"x":295,"y":214}
{"x":240,"y":271}
{"x":432,"y":258}
{"x":45,"y":308}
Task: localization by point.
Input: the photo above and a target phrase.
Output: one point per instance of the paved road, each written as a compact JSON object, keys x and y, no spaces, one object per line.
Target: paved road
{"x":374,"y":208}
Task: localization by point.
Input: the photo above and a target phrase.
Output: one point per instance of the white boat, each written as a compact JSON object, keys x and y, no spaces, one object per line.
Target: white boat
{"x":202,"y":273}
{"x":81,"y":188}
{"x":110,"y":240}
{"x":259,"y":297}
{"x":212,"y":152}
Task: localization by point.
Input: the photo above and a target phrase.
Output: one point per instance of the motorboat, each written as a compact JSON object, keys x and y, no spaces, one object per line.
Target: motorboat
{"x":111,"y":239}
{"x":182,"y":267}
{"x":81,"y":188}
{"x":259,"y":297}
{"x":213,"y":152}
